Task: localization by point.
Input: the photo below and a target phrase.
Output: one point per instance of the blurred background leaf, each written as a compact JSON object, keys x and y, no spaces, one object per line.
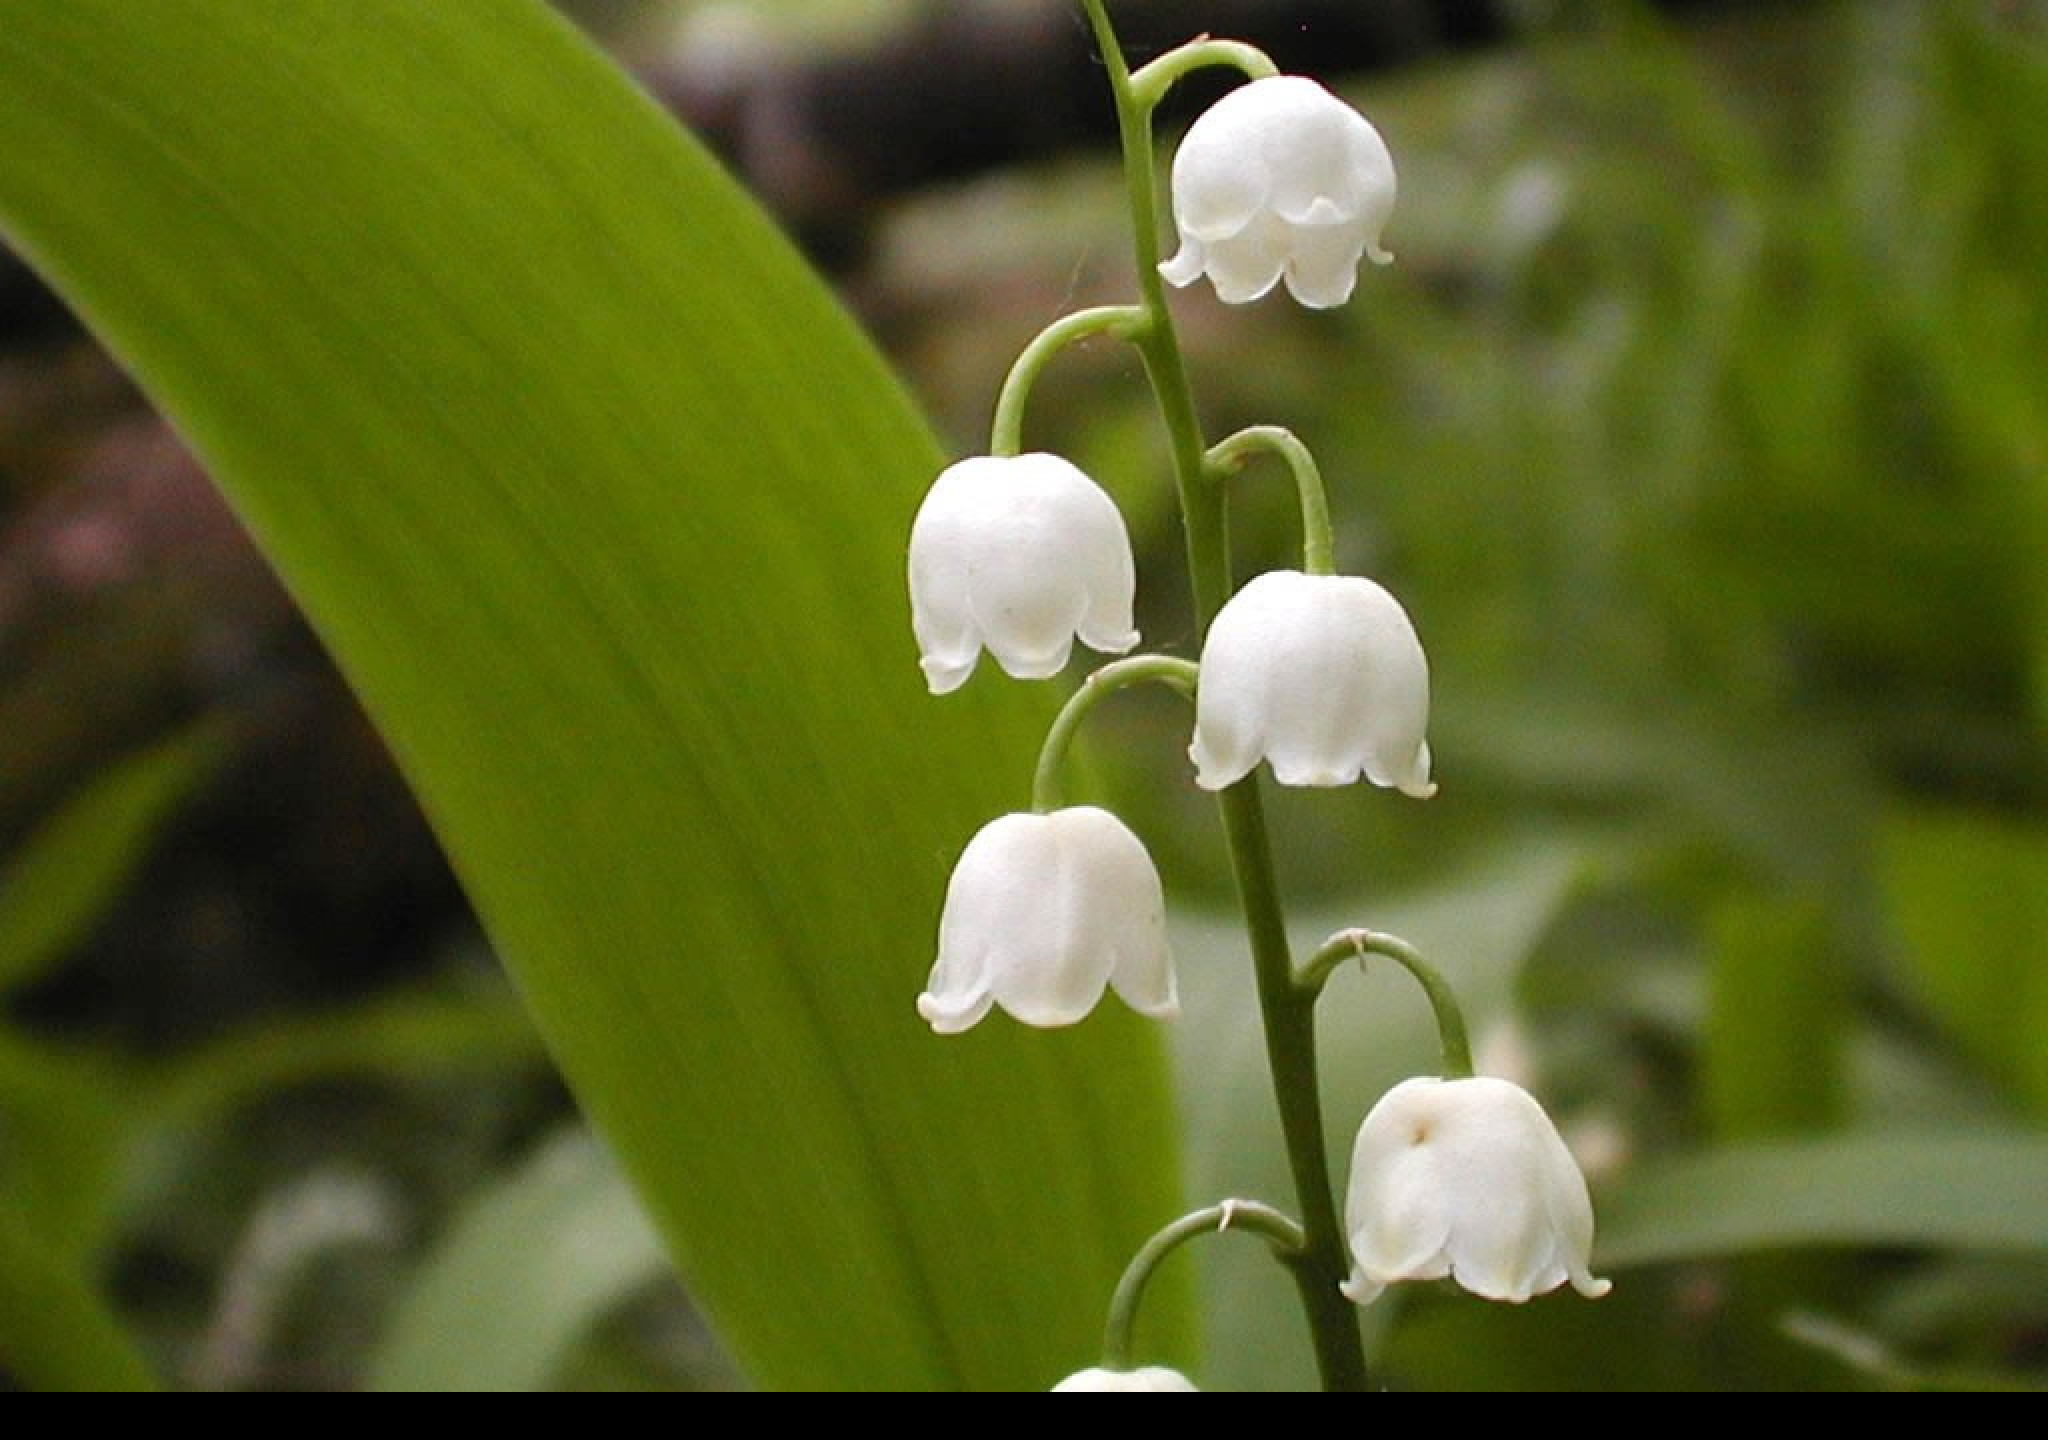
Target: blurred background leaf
{"x":1974,"y":1193}
{"x":59,"y":885}
{"x":1969,"y":898}
{"x":527,"y":1271}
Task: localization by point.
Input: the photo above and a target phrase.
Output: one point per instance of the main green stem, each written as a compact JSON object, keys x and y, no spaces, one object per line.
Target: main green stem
{"x":1287,"y":1012}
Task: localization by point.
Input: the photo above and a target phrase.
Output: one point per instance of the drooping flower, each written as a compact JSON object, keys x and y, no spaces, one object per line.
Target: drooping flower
{"x":1042,"y":913}
{"x":1146,"y":1380}
{"x":1280,"y":180}
{"x":1320,"y":674}
{"x":1019,"y":554}
{"x":1467,"y":1179}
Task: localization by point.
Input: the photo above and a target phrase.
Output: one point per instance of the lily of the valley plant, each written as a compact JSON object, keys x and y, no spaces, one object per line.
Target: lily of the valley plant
{"x":1319,"y":677}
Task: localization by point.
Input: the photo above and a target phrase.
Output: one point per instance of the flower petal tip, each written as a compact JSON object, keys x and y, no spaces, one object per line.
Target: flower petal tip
{"x":944,"y":679}
{"x":952,"y":1017}
{"x":1361,"y":1291}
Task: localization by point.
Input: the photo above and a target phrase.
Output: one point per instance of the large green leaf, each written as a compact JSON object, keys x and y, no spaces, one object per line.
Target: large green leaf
{"x":600,"y":502}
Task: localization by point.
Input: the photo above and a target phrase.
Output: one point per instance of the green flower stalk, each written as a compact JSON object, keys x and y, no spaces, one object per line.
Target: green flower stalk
{"x":1287,"y":1017}
{"x":1318,"y":675}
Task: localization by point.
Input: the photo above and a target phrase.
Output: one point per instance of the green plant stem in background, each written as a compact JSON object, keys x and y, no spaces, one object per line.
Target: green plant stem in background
{"x":1006,"y":434}
{"x":1450,"y":1017}
{"x":1250,"y":1216}
{"x":1318,"y":546}
{"x":1167,"y":670}
{"x":1287,"y":1013}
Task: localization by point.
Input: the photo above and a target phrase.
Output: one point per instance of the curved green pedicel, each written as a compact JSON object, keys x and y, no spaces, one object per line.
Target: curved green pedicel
{"x":1357,"y":945}
{"x":1176,"y":674}
{"x":1248,"y":1217}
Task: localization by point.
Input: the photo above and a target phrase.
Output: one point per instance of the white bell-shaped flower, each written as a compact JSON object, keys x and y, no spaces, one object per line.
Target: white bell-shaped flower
{"x":1145,"y":1380}
{"x":1018,"y":554}
{"x":1467,"y":1179}
{"x":1042,"y":913}
{"x":1322,"y":675}
{"x":1280,"y":180}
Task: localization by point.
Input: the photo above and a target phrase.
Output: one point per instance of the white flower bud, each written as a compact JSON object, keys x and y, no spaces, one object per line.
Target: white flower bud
{"x":1280,"y":180}
{"x":1145,"y":1380}
{"x":1019,"y":554}
{"x":1467,"y":1179}
{"x":1045,"y":911}
{"x":1320,"y":674}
